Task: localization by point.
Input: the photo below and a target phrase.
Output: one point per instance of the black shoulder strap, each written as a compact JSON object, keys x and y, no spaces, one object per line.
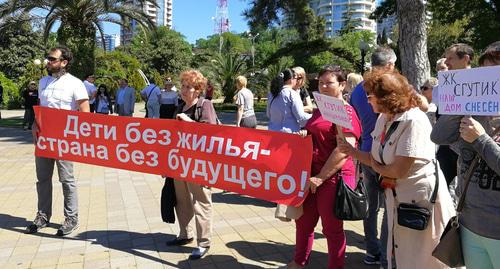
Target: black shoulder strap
{"x":198,"y":111}
{"x":436,"y":187}
{"x":388,"y":134}
{"x":150,"y":92}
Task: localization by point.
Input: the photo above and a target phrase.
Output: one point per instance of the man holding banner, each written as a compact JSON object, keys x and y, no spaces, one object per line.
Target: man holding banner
{"x":458,"y":56}
{"x":61,"y":90}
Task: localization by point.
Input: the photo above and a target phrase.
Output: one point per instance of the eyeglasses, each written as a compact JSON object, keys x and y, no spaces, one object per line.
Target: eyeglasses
{"x":53,"y":59}
{"x":326,"y":84}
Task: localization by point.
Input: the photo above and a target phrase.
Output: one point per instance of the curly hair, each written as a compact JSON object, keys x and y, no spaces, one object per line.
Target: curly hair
{"x":194,"y":79}
{"x":392,"y":90}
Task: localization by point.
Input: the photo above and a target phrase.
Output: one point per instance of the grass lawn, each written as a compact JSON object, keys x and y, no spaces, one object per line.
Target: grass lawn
{"x":231,"y":107}
{"x":11,"y":122}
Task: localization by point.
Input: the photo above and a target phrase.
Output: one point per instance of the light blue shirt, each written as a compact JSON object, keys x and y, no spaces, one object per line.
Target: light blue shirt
{"x":120,"y":96}
{"x":286,"y":111}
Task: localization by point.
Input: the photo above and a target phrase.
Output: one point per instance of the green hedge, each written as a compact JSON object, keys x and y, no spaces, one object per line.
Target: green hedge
{"x":11,"y":95}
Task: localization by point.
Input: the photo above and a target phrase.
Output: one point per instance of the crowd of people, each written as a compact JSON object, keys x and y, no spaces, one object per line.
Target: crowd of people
{"x":406,"y":151}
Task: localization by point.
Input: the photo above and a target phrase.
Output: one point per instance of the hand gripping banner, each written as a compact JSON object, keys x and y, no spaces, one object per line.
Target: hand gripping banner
{"x":268,"y":165}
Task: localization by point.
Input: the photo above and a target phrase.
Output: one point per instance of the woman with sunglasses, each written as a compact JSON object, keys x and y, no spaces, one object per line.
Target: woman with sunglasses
{"x":404,"y":156}
{"x":480,"y":216}
{"x":300,"y":87}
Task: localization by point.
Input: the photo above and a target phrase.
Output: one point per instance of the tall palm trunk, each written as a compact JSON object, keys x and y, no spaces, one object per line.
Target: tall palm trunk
{"x":80,"y":38}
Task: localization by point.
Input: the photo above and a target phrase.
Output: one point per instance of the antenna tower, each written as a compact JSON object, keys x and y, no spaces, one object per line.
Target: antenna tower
{"x":221,"y":17}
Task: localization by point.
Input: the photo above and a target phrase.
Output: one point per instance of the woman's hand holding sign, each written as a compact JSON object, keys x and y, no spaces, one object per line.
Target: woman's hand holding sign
{"x":470,"y":129}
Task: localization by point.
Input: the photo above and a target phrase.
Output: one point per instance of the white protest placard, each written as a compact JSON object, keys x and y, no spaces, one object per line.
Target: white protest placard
{"x":473,"y":91}
{"x":333,"y":109}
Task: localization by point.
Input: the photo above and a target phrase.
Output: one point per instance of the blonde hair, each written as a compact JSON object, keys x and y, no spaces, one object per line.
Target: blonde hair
{"x":241,"y":82}
{"x":353,"y":80}
{"x":300,"y":72}
{"x":194,"y":79}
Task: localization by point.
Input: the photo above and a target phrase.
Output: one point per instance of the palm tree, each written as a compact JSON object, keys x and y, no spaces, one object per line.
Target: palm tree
{"x":225,"y":67}
{"x":79,"y":22}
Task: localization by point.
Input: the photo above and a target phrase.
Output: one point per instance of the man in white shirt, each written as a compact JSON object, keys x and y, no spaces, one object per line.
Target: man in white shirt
{"x":61,"y":90}
{"x":91,"y":90}
{"x":125,"y":99}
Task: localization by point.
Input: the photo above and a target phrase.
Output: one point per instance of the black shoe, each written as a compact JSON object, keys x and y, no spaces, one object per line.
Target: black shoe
{"x":69,"y":225}
{"x":179,"y":241}
{"x":198,"y":253}
{"x":39,"y":223}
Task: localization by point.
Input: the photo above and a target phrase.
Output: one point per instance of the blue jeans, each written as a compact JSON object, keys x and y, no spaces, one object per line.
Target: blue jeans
{"x":479,"y":252}
{"x":375,"y":201}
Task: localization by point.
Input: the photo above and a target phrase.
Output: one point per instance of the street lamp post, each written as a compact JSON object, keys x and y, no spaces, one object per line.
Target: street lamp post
{"x":40,"y":64}
{"x":253,"y":37}
{"x":363,"y":47}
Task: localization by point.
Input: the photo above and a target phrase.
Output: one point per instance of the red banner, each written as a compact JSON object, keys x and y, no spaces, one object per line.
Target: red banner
{"x":267,"y":165}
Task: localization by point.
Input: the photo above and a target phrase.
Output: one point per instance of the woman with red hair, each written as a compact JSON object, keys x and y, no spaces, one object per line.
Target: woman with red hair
{"x":404,"y":156}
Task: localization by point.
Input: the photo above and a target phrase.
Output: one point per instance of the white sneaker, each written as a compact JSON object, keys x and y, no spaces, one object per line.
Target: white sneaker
{"x":198,"y":253}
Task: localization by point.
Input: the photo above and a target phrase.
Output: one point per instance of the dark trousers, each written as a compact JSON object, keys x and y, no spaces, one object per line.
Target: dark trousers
{"x":167,"y":111}
{"x":29,"y":117}
{"x":447,"y":159}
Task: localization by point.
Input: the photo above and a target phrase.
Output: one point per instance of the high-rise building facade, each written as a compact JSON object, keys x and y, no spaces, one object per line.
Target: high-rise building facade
{"x":111,"y":42}
{"x":337,"y":12}
{"x":161,"y":14}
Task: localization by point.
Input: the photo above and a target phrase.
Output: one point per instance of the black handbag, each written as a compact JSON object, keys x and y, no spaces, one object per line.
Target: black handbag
{"x":416,"y":217}
{"x":351,"y":204}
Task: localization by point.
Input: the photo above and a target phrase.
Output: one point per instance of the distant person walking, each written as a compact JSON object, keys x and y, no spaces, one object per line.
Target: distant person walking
{"x":30,"y":97}
{"x":61,"y":90}
{"x":245,"y":115}
{"x":1,"y":98}
{"x":151,"y":95}
{"x":169,"y":100}
{"x":91,"y":90}
{"x":125,"y":99}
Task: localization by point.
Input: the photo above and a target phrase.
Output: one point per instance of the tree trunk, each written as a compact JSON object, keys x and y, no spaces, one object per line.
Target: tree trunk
{"x":80,"y":39}
{"x":413,"y":41}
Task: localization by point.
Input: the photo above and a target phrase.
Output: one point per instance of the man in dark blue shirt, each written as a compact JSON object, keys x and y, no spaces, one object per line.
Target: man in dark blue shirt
{"x":382,"y":58}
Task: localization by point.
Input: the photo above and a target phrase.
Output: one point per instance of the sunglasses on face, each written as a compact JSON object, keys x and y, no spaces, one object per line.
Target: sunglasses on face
{"x":52,"y":59}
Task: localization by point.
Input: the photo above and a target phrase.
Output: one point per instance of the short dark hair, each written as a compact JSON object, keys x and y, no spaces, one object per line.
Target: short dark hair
{"x":491,"y":53}
{"x":65,"y":53}
{"x":462,"y":49}
{"x":278,"y":82}
{"x":89,"y":75}
{"x":339,"y":73}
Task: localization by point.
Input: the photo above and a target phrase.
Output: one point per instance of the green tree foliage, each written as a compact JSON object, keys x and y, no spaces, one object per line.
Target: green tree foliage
{"x":232,"y":43}
{"x":224,"y":68}
{"x":11,"y":94}
{"x":440,"y":36}
{"x":350,"y":24}
{"x":264,"y":14}
{"x":164,"y":51}
{"x":260,"y":83}
{"x":483,"y":18}
{"x":19,"y":46}
{"x":117,"y":64}
{"x":79,"y":22}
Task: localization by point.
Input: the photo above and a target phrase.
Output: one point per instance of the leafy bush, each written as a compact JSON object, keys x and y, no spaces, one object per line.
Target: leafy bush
{"x":11,"y":94}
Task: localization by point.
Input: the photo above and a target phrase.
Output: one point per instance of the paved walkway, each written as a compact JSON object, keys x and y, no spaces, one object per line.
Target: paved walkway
{"x":121,"y":227}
